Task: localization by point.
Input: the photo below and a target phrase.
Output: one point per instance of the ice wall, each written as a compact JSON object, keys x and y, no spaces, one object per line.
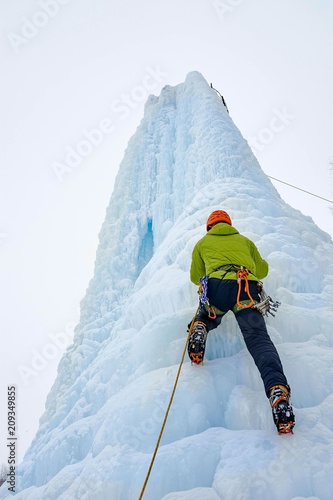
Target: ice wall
{"x":105,"y":409}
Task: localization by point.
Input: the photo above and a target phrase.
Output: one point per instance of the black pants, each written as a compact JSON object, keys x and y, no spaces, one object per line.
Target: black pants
{"x":223,"y":295}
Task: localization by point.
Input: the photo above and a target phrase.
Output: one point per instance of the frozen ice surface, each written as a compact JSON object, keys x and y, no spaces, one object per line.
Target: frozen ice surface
{"x":104,"y":412}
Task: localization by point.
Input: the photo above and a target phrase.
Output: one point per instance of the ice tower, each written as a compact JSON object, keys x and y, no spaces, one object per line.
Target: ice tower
{"x":104,"y":412}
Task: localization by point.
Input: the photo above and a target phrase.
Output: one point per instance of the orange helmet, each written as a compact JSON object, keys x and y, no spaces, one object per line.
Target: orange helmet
{"x":217,"y":216}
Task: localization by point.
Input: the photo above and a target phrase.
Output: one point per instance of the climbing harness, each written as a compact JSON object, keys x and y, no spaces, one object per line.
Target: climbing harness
{"x":168,"y":408}
{"x":266,"y":305}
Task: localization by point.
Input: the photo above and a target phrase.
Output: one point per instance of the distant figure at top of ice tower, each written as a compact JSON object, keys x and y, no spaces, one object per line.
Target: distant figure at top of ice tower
{"x":228,"y":267}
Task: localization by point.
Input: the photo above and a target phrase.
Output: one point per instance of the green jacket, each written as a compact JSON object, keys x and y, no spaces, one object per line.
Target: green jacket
{"x":223,"y":245}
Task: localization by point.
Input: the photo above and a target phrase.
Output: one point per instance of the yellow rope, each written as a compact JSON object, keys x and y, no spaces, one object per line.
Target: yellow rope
{"x":168,"y":409}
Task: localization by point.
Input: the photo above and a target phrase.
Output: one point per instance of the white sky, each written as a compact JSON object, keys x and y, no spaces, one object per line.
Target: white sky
{"x":70,"y":74}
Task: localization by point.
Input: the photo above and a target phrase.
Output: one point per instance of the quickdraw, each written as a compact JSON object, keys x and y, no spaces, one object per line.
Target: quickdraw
{"x":211,"y":312}
{"x":243,"y":273}
{"x":266,"y":305}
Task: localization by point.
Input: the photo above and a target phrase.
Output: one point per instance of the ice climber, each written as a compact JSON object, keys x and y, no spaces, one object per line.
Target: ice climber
{"x":229,"y":267}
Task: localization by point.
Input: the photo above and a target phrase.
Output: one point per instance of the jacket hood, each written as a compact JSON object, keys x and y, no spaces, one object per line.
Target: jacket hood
{"x":222,"y":229}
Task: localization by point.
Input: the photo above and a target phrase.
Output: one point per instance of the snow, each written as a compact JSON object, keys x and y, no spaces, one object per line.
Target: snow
{"x":105,"y":410}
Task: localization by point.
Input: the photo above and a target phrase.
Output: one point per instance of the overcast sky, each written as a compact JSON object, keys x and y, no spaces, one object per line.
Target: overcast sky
{"x":75,"y":76}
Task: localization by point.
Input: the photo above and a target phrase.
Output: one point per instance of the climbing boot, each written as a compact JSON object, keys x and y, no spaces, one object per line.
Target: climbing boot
{"x":197,"y":342}
{"x":283,"y":415}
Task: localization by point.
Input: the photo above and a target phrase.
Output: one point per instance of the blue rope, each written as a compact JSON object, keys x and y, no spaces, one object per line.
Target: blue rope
{"x":204,"y":288}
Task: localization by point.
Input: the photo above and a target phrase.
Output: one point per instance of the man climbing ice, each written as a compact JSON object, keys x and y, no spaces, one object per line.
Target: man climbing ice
{"x":229,"y":267}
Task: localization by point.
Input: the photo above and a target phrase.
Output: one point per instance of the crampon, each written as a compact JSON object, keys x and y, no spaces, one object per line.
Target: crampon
{"x":282,"y":410}
{"x":197,"y":343}
{"x":286,"y":428}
